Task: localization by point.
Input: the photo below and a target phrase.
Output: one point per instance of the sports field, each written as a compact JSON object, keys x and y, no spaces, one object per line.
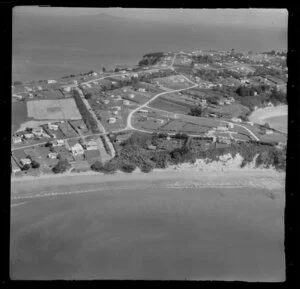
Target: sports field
{"x":53,"y":109}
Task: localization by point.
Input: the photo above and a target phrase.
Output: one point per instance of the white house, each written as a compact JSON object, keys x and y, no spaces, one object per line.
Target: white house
{"x":52,"y":156}
{"x":77,"y":149}
{"x":38,"y":131}
{"x":39,"y":88}
{"x":106,"y":101}
{"x":269,"y":131}
{"x":28,"y":135}
{"x":236,"y":119}
{"x":222,"y":128}
{"x":17,"y":139}
{"x":143,"y":110}
{"x":49,"y":81}
{"x":126,"y":102}
{"x":25,"y":161}
{"x":131,"y":95}
{"x":112,"y":120}
{"x":115,"y":112}
{"x":142,"y":89}
{"x":113,"y":82}
{"x":67,"y":88}
{"x":91,"y":145}
{"x":58,"y":142}
{"x":28,"y":88}
{"x":75,"y":81}
{"x":52,"y":126}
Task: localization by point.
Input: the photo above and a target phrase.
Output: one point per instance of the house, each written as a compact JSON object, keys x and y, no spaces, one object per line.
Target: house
{"x":91,"y":145}
{"x":75,"y":81}
{"x":38,"y":131}
{"x":39,"y":88}
{"x":126,"y":102}
{"x":135,"y":75}
{"x":106,"y":101}
{"x":222,"y":128}
{"x":58,"y":142}
{"x":25,"y":161}
{"x":251,"y":123}
{"x":115,"y":112}
{"x":236,"y":119}
{"x":220,"y":102}
{"x":124,"y":90}
{"x":113,"y":82}
{"x":160,"y":120}
{"x":28,"y":88}
{"x":151,"y":147}
{"x":143,"y":111}
{"x":77,"y":149}
{"x":52,"y":126}
{"x":231,"y":99}
{"x":67,"y":88}
{"x":131,"y":95}
{"x":28,"y":135}
{"x":112,"y":120}
{"x":52,"y":156}
{"x":49,"y":81}
{"x":142,"y":89}
{"x":269,"y":131}
{"x":17,"y":140}
{"x":227,"y":101}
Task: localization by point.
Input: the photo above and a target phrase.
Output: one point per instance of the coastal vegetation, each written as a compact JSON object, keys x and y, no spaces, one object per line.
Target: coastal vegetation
{"x":134,"y":153}
{"x":151,"y":58}
{"x":87,"y":117}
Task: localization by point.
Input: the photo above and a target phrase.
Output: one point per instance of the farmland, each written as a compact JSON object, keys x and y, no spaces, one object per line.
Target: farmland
{"x":53,"y":109}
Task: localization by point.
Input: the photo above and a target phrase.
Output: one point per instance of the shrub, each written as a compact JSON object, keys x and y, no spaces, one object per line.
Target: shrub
{"x":97,"y":166}
{"x":35,"y":164}
{"x":127,"y":167}
{"x":61,"y":167}
{"x":25,"y":167}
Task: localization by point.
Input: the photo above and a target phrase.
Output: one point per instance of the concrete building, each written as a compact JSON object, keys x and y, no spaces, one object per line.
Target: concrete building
{"x":50,"y":81}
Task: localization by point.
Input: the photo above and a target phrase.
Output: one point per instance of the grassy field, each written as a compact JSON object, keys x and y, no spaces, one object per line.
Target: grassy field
{"x":19,"y":115}
{"x":53,"y":109}
{"x":169,"y":106}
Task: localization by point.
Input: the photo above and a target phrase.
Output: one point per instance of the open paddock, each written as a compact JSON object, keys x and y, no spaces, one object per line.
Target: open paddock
{"x":232,"y":110}
{"x":173,"y":83}
{"x":169,"y":106}
{"x":53,"y":109}
{"x":51,"y":94}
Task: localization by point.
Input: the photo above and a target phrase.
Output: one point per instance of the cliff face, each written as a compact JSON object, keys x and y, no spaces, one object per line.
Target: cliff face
{"x":225,"y":163}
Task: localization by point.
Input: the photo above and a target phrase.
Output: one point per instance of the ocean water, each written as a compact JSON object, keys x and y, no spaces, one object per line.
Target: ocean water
{"x":278,"y":122}
{"x":51,"y":47}
{"x":154,"y":233}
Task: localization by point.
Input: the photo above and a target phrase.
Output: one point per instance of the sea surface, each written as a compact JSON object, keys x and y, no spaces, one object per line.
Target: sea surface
{"x":194,"y":233}
{"x":50,"y":47}
{"x":278,"y":122}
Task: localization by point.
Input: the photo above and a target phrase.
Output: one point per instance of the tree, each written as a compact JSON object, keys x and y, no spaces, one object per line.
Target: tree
{"x":97,"y":166}
{"x":61,"y":166}
{"x":127,"y":167}
{"x":103,"y":69}
{"x":26,"y":167}
{"x":35,"y":164}
{"x":196,"y":111}
{"x":88,"y":95}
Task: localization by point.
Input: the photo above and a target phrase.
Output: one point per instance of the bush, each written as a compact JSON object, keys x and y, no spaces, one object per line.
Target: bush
{"x":127,"y":167}
{"x":61,"y":167}
{"x":35,"y":164}
{"x":25,"y":167}
{"x":97,"y":166}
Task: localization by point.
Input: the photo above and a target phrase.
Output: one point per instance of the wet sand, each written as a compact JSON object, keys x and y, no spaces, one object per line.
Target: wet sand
{"x":172,"y":225}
